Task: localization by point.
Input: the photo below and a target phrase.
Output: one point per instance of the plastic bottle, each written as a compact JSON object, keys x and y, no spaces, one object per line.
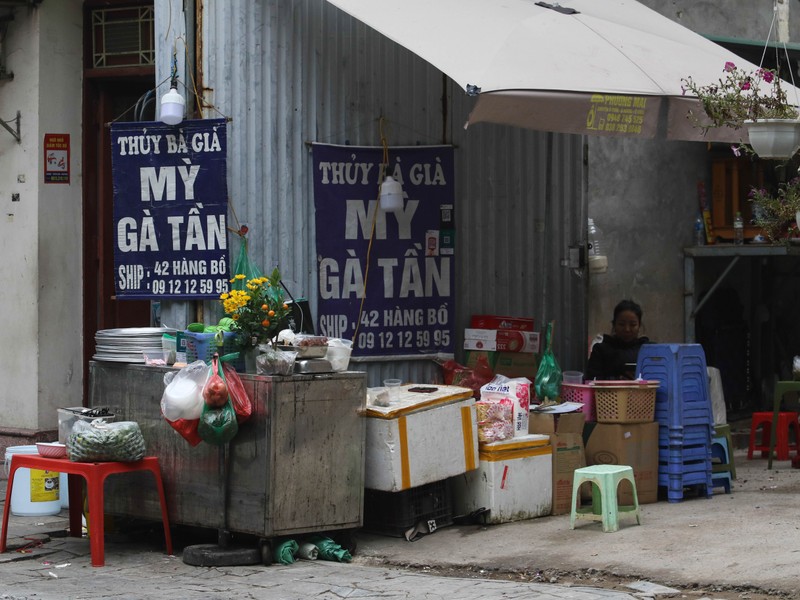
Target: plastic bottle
{"x":598,"y":263}
{"x":738,"y":229}
{"x":699,"y":232}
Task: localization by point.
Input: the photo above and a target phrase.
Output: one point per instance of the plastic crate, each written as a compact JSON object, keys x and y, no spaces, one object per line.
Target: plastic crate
{"x":203,"y":346}
{"x":582,"y":394}
{"x":620,"y":403}
{"x":394,"y":513}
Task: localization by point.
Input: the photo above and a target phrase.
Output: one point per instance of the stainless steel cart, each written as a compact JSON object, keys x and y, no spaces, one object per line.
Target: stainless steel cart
{"x":297,"y":465}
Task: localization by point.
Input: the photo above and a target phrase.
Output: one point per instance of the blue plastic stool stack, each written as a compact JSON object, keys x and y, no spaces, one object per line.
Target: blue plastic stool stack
{"x":684,"y":415}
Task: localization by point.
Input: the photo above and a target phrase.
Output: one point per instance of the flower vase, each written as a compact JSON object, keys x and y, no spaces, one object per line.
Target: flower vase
{"x":774,"y":138}
{"x":250,"y":360}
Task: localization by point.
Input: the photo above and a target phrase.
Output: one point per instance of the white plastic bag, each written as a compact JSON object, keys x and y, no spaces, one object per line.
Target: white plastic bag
{"x":183,"y":394}
{"x":517,"y":390}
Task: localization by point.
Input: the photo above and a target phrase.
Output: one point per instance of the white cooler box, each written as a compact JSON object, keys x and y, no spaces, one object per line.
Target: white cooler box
{"x":513,"y":480}
{"x":420,"y":438}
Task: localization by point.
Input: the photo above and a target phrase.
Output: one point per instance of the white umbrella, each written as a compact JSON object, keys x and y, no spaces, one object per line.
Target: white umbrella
{"x":605,"y":67}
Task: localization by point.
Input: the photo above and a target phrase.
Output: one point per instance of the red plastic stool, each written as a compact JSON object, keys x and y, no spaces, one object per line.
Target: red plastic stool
{"x":786,"y":421}
{"x":95,"y":475}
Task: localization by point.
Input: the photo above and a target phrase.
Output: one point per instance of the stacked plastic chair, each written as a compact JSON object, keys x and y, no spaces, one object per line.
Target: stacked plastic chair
{"x":684,"y":415}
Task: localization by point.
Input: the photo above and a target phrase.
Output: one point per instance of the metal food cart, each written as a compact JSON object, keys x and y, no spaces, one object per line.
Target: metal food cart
{"x":296,"y":466}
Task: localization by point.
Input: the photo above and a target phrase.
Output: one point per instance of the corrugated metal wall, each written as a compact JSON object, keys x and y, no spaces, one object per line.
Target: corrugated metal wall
{"x":289,"y":72}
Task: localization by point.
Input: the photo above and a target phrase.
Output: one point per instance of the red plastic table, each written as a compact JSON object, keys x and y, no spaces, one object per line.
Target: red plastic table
{"x":95,"y":474}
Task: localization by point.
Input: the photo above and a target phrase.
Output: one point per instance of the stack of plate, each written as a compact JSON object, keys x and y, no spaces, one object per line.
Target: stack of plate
{"x":127,"y":344}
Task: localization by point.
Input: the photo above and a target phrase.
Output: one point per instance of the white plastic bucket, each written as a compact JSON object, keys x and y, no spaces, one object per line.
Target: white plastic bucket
{"x":35,"y":492}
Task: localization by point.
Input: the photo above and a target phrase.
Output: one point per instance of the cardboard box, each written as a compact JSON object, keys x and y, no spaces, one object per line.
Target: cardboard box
{"x":510,"y":364}
{"x":480,"y":345}
{"x":501,"y":340}
{"x":513,"y":480}
{"x":421,"y":438}
{"x":491,"y":358}
{"x":487,"y":335}
{"x":632,"y":444}
{"x":498,"y":322}
{"x":516,"y":364}
{"x":517,"y":341}
{"x":566,"y":437}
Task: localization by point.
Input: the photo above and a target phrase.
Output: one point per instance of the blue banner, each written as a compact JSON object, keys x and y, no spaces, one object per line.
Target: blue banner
{"x":170,"y":209}
{"x":403,"y":259}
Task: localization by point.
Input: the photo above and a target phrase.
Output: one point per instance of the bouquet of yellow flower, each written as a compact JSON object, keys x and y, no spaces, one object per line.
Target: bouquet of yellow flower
{"x":256,"y":310}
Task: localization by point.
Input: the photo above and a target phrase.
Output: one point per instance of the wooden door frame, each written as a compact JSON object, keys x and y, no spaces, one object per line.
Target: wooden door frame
{"x":99,"y":308}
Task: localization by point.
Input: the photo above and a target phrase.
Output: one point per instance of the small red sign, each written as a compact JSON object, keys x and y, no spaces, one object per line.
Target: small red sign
{"x":56,"y":158}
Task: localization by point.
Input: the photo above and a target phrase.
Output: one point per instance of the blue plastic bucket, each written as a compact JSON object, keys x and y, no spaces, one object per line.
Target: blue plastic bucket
{"x":35,"y":492}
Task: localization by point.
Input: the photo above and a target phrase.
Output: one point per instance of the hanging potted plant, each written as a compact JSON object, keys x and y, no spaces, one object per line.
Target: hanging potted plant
{"x":753,"y":100}
{"x":778,"y":214}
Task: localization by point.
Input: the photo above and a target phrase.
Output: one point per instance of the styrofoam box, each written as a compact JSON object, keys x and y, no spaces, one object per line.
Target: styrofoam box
{"x":513,"y":480}
{"x":422,"y":438}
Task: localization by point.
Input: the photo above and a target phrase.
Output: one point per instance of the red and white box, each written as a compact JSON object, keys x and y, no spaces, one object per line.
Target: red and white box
{"x":501,"y":340}
{"x":499,"y":322}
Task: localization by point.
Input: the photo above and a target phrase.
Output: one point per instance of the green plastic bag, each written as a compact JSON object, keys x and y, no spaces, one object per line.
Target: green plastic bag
{"x":218,"y":426}
{"x":330,"y":550}
{"x":285,"y":552}
{"x":244,"y":266}
{"x":548,"y":377}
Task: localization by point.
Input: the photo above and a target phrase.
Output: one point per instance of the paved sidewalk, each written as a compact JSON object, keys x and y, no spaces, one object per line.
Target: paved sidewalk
{"x":142,"y":574}
{"x":48,"y":566}
{"x":741,"y":545}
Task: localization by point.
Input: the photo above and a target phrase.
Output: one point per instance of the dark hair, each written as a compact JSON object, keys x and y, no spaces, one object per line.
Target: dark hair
{"x":627,"y":305}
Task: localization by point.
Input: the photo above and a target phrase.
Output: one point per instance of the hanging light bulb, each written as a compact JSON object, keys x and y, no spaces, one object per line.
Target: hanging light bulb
{"x":172,"y":107}
{"x":391,"y":196}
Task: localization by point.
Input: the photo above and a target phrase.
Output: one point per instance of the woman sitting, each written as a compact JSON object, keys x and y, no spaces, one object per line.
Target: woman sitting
{"x":615,"y":357}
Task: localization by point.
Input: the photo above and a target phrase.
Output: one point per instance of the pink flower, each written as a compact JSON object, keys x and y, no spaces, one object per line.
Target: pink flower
{"x":745,"y":85}
{"x":729,"y":66}
{"x":736,"y":151}
{"x":766,"y":75}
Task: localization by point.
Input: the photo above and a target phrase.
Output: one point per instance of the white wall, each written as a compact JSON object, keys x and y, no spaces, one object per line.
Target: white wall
{"x":643,"y":194}
{"x":19,"y":226}
{"x":60,"y":213}
{"x":40,"y":239}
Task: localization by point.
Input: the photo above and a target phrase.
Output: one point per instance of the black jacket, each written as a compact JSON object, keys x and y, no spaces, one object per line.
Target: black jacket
{"x":608,"y":358}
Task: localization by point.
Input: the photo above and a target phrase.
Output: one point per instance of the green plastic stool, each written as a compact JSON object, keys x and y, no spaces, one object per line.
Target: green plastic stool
{"x":781,"y":388}
{"x":605,"y":480}
{"x":724,"y":431}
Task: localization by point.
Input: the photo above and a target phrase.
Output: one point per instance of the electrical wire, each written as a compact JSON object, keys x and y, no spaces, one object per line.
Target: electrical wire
{"x":777,"y":55}
{"x":385,"y":161}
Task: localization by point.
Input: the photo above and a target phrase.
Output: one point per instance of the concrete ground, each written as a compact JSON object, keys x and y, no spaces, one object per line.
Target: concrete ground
{"x":744,"y":542}
{"x":743,"y":545}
